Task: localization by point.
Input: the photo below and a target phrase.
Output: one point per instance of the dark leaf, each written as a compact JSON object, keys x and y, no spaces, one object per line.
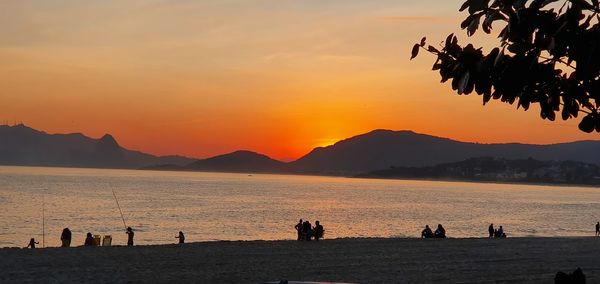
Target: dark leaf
{"x":415,"y":51}
{"x":519,"y":4}
{"x":473,"y":25}
{"x":449,"y":40}
{"x":584,"y":4}
{"x":463,"y":83}
{"x":432,"y":49}
{"x":587,"y":124}
{"x":423,"y":41}
{"x":477,"y":5}
{"x":464,"y":5}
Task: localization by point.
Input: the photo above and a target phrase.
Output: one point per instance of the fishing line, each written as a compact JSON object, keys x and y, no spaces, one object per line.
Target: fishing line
{"x":119,"y":206}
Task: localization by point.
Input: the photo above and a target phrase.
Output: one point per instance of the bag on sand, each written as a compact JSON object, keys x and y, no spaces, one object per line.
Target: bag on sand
{"x":577,"y":277}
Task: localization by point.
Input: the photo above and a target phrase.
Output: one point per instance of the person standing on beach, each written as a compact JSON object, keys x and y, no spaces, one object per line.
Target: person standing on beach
{"x":65,"y":238}
{"x":298,"y":228}
{"x":32,"y":243}
{"x":319,"y":231}
{"x":181,"y":237}
{"x":130,"y":234}
{"x":598,"y":229}
{"x":491,"y":230}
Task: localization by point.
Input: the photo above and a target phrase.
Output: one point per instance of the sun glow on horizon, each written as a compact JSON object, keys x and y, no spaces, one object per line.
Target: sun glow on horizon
{"x":203,"y":78}
{"x":324,"y":142}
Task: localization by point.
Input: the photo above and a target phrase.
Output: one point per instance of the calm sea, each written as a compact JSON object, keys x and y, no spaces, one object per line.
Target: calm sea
{"x":219,"y":206}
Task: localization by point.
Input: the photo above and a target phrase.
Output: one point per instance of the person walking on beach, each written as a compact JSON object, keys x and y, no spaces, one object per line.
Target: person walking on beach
{"x":440,"y":232}
{"x":89,"y":240}
{"x":298,"y":228}
{"x":598,"y":229}
{"x":130,"y":234}
{"x":32,"y":243}
{"x":319,"y":231}
{"x":491,"y":230}
{"x":65,"y":238}
{"x":426,"y":233}
{"x":181,"y":237}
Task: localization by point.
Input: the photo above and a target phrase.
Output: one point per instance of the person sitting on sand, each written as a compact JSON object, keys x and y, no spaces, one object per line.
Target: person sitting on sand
{"x":130,"y":234}
{"x":426,"y":233}
{"x":440,"y":232}
{"x":181,"y":237}
{"x":491,"y":230}
{"x":318,"y":231}
{"x":500,"y":233}
{"x":65,"y":238}
{"x":32,"y":243}
{"x":89,"y":240}
{"x":298,"y":228}
{"x":598,"y":229}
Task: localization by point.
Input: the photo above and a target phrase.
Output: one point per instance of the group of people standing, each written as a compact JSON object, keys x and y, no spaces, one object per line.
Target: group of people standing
{"x":427,"y":233}
{"x":89,"y":239}
{"x":66,"y":236}
{"x":307,"y":232}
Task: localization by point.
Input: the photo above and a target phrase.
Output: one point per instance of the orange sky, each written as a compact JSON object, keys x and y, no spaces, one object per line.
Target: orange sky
{"x":200,"y":78}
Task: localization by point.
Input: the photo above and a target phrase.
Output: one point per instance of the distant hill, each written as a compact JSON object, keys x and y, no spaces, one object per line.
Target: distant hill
{"x":376,"y":150}
{"x":500,"y":170}
{"x":239,"y":161}
{"x":22,"y":145}
{"x":382,"y":149}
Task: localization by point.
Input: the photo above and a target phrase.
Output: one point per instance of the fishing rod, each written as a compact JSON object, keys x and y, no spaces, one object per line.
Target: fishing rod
{"x":119,"y":206}
{"x":43,"y":221}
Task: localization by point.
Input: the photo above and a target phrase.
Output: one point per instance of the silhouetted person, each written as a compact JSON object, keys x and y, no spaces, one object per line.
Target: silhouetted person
{"x":298,"y":228}
{"x":89,"y":240}
{"x":426,"y":233}
{"x":440,"y":232}
{"x":305,"y":229}
{"x":501,"y":233}
{"x":130,"y":234}
{"x":491,"y":230}
{"x":318,"y":231}
{"x":598,"y":229}
{"x":32,"y":243}
{"x":181,"y":237}
{"x":65,"y":238}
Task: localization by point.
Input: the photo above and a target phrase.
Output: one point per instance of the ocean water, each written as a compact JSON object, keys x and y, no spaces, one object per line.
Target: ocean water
{"x":222,"y":206}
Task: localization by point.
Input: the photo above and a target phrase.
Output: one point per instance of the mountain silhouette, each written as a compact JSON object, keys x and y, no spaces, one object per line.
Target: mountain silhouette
{"x":382,"y":149}
{"x":376,"y":150}
{"x":22,"y":145}
{"x":239,"y":161}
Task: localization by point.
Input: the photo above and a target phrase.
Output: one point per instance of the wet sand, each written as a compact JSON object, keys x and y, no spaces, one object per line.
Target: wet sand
{"x":341,"y":260}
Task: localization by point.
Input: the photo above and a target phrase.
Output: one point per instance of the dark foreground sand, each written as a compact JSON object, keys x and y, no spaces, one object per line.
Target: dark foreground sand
{"x":343,"y":260}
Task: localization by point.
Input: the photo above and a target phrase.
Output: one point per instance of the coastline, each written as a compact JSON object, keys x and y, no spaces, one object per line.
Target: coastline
{"x":355,"y":260}
{"x":358,"y":176}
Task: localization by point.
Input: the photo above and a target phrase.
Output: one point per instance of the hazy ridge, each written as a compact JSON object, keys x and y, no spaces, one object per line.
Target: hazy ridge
{"x":376,"y":150}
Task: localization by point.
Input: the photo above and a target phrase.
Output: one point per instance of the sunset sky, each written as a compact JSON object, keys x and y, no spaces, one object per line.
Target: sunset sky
{"x":280,"y":77}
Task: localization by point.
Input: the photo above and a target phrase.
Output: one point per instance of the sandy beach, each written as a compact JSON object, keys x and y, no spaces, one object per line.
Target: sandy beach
{"x":340,"y":260}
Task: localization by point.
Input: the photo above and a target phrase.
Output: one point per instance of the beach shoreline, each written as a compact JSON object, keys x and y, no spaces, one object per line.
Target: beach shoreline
{"x":355,"y":260}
